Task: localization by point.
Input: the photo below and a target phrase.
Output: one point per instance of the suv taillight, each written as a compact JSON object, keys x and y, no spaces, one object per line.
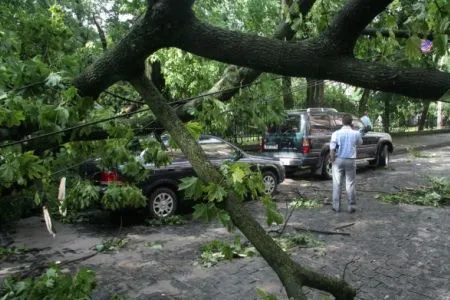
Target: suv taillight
{"x":306,"y":145}
{"x":109,"y":177}
{"x":261,"y":145}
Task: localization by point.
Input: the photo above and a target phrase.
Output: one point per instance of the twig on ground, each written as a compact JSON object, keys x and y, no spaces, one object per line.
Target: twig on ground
{"x":347,"y":264}
{"x":63,"y":263}
{"x":344,"y":226}
{"x":320,"y":231}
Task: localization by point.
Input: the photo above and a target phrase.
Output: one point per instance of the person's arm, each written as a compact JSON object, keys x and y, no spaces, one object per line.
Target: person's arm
{"x":333,"y":144}
{"x":359,"y":140}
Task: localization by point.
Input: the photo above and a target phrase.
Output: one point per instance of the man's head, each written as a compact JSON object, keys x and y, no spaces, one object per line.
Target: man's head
{"x":347,"y":120}
{"x":366,"y":113}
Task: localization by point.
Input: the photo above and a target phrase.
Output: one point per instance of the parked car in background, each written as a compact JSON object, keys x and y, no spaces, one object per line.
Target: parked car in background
{"x":161,"y":187}
{"x":302,"y":141}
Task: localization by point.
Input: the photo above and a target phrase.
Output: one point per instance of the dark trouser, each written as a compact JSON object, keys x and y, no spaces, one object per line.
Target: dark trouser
{"x":341,"y":167}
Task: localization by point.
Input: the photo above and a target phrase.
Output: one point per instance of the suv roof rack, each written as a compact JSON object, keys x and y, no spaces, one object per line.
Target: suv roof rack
{"x":321,"y":109}
{"x":312,"y":109}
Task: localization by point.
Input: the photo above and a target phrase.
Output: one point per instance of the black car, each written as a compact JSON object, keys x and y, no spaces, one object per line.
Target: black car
{"x":161,"y":187}
{"x":302,"y":141}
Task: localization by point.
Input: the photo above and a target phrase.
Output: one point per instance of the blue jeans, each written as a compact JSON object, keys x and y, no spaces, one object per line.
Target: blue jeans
{"x":344,"y":167}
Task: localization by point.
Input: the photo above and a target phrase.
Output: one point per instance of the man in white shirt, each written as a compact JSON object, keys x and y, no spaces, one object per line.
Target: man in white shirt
{"x":343,"y":155}
{"x":366,"y":121}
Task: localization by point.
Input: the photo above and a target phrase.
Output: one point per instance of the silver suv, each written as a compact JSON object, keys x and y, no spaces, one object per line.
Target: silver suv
{"x":302,"y":141}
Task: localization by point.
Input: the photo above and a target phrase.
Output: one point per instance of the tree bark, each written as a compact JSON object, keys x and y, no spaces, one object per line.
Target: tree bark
{"x":424,"y":115}
{"x":362,"y":105}
{"x":288,"y":98}
{"x":101,"y":33}
{"x":292,"y":275}
{"x":386,"y":114}
{"x":439,"y":119}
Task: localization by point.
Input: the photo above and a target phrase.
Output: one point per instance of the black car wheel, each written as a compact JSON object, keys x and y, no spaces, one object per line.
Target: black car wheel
{"x":384,"y":156}
{"x":327,"y":169}
{"x":163,"y":202}
{"x":270,"y":182}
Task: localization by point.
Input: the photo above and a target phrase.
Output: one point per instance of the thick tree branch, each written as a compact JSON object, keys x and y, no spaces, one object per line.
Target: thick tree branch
{"x":235,"y":77}
{"x":152,"y":32}
{"x":101,"y":33}
{"x":292,"y":275}
{"x":310,"y":58}
{"x":403,"y":34}
{"x":350,"y":21}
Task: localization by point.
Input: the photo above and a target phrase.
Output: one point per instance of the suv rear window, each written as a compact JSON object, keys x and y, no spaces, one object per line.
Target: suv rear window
{"x":320,"y":124}
{"x":291,"y":124}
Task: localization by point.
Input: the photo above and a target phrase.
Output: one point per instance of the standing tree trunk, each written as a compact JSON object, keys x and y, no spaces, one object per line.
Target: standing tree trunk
{"x":386,"y":114}
{"x":288,"y":98}
{"x":423,"y":116}
{"x":314,"y":92}
{"x":362,"y":106}
{"x":440,"y":119}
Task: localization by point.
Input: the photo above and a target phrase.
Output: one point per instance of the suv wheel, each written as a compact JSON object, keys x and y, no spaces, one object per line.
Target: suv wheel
{"x":163,"y":202}
{"x":327,"y":168}
{"x":383,"y":157}
{"x":270,"y":182}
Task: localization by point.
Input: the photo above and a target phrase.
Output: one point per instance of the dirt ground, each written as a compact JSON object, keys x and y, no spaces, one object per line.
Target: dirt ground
{"x":391,"y":252}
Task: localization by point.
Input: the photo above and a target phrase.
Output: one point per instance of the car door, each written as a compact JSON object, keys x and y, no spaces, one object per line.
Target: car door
{"x":320,"y":130}
{"x":369,"y":147}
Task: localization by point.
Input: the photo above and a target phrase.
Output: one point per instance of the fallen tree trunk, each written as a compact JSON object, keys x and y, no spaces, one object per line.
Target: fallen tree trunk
{"x":292,"y":275}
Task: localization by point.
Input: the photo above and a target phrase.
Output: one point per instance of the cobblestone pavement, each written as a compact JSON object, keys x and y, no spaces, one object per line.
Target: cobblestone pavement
{"x":393,"y":251}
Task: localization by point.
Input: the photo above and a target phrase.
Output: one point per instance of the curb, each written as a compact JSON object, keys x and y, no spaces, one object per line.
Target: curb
{"x":404,"y":150}
{"x":415,"y":133}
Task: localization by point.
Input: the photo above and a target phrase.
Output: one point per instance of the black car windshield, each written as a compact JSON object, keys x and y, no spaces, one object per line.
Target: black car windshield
{"x":215,"y":148}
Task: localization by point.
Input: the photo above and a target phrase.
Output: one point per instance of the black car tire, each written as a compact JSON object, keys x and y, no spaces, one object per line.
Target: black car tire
{"x":163,"y":203}
{"x":270,"y":182}
{"x":327,"y":167}
{"x":384,"y":156}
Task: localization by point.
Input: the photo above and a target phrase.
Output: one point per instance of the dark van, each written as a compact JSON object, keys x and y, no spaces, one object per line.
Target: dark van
{"x":302,"y":141}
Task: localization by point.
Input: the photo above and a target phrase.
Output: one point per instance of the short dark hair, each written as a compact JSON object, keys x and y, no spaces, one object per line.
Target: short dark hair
{"x":347,"y":119}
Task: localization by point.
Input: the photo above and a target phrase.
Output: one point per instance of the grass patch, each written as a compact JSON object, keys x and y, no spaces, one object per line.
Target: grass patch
{"x":418,"y":154}
{"x":436,"y":194}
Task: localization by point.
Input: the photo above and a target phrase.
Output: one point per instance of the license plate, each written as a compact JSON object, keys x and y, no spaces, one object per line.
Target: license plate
{"x":271,"y":147}
{"x":285,"y":162}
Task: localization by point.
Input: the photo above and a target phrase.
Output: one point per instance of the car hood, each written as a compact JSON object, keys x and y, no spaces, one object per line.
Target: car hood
{"x":382,"y":135}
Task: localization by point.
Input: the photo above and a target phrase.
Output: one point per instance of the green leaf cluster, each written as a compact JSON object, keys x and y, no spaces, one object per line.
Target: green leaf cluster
{"x":52,"y":284}
{"x":298,"y":241}
{"x":436,"y":194}
{"x":111,"y":244}
{"x":215,"y":251}
{"x":11,"y":251}
{"x":21,"y":168}
{"x":122,"y":196}
{"x":83,"y":194}
{"x":171,"y":220}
